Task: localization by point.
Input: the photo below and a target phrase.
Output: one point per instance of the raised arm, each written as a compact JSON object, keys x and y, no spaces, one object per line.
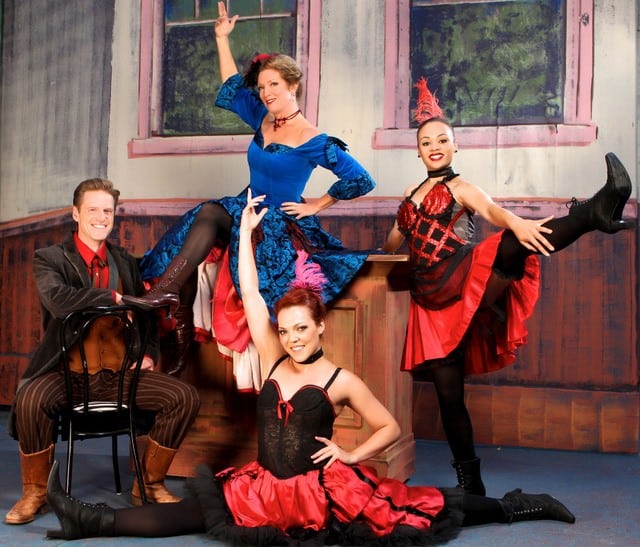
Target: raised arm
{"x":256,"y":311}
{"x":223,"y":27}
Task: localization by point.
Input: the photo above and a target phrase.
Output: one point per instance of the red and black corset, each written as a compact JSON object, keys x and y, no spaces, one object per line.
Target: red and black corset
{"x":438,"y":255}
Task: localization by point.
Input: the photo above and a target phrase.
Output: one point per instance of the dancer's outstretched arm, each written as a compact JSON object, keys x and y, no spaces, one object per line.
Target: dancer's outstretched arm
{"x":262,"y":331}
{"x":223,"y":27}
{"x":530,"y":233}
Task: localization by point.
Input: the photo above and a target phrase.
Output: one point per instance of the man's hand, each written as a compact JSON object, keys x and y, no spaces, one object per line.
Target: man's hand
{"x":147,"y":364}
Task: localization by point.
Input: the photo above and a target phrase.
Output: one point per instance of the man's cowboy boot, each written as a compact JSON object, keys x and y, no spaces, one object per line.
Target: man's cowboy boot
{"x":155,"y":464}
{"x":35,"y":471}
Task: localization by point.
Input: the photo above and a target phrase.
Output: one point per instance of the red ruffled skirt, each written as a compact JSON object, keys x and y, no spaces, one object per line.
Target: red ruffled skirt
{"x":256,"y":498}
{"x":351,"y":502}
{"x":493,"y":334}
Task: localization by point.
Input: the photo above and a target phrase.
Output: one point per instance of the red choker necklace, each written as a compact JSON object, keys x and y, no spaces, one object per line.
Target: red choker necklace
{"x":279,"y":122}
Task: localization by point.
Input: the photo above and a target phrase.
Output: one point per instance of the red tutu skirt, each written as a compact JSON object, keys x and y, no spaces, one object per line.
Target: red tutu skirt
{"x":492,"y":334}
{"x":346,"y":504}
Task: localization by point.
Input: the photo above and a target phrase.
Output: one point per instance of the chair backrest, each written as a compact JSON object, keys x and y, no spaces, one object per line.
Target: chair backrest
{"x":112,"y":339}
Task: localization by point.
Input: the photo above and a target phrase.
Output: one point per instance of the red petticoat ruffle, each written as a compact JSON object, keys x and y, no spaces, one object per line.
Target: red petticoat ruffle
{"x":256,"y":498}
{"x":228,"y":318}
{"x":492,"y":337}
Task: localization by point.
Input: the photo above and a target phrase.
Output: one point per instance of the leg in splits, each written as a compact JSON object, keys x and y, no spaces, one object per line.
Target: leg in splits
{"x":80,"y":520}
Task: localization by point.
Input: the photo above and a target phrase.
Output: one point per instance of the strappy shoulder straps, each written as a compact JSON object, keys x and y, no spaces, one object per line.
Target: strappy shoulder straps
{"x":275,"y":366}
{"x":332,"y":379}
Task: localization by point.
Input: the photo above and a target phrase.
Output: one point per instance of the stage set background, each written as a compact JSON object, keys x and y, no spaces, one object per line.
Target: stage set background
{"x":79,"y":81}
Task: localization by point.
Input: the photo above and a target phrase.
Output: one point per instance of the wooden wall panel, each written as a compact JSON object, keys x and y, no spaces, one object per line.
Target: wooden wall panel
{"x":19,"y":305}
{"x":539,"y":417}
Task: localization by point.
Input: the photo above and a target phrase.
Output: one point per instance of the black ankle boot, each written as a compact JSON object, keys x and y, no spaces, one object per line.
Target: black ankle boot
{"x":604,"y":210}
{"x":469,"y":478}
{"x":78,"y":519}
{"x":518,"y":506}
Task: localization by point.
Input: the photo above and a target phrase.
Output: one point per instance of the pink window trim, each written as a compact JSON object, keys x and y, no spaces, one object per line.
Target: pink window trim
{"x":150,"y":80}
{"x":578,"y":129}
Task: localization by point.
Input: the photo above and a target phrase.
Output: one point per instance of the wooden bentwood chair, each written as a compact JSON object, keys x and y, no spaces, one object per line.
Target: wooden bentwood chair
{"x":127,"y":331}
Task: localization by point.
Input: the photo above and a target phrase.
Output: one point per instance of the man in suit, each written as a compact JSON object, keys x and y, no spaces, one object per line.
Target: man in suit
{"x":84,"y":271}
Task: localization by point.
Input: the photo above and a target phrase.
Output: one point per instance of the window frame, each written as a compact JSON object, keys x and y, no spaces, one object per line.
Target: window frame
{"x":146,"y":143}
{"x":578,"y":128}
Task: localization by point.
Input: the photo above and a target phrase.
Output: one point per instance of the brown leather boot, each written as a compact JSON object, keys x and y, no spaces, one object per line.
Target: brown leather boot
{"x":155,"y":464}
{"x":35,"y":472}
{"x":183,"y":341}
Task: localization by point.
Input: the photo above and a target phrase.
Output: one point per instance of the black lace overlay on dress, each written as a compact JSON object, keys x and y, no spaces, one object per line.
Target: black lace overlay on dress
{"x":287,"y":428}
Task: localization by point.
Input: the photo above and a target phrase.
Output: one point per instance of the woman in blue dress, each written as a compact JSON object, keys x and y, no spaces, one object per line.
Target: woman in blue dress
{"x":286,"y":148}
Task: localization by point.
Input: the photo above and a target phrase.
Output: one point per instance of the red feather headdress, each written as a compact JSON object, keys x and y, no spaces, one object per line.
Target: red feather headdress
{"x":427,"y":105}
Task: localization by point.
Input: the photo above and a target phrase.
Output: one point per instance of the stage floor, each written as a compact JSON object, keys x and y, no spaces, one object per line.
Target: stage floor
{"x":602,"y":490}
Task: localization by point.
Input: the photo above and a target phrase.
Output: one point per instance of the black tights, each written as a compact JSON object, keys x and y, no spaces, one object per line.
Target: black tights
{"x":185,"y":517}
{"x":511,"y":254}
{"x":211,"y":225}
{"x":160,"y":520}
{"x":481,"y":510}
{"x":448,"y":380}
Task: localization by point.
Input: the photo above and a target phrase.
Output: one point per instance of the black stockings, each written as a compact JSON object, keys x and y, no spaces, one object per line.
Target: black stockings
{"x":160,"y":520}
{"x":448,"y":380}
{"x":511,"y":254}
{"x":185,"y":517}
{"x":212,"y":224}
{"x":481,"y":510}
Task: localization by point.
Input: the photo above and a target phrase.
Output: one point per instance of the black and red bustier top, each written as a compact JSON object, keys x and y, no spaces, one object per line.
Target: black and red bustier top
{"x":437,"y":232}
{"x":287,"y":428}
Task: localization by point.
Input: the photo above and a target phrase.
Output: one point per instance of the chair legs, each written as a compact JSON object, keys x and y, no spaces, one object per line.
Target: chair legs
{"x":116,"y":465}
{"x":142,"y":491}
{"x":67,"y":482}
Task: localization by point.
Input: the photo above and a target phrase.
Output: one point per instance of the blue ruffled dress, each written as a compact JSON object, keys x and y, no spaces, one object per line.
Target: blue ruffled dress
{"x":281,"y":173}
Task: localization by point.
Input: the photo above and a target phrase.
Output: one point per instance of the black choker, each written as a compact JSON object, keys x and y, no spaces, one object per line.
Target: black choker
{"x":446,"y":171}
{"x":279,"y":122}
{"x":311,"y":359}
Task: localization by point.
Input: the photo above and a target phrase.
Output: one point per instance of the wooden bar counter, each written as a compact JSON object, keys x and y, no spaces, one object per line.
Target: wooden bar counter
{"x":365,"y":334}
